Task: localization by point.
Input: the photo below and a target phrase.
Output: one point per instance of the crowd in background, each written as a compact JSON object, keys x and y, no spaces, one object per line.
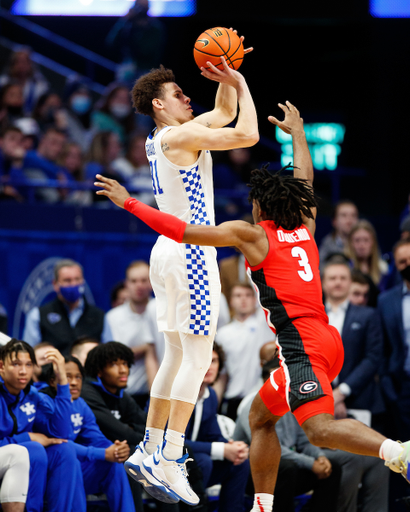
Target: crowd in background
{"x":114,"y":357}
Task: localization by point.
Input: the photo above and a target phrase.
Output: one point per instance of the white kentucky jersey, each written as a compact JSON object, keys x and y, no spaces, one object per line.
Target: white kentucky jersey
{"x":187,"y":193}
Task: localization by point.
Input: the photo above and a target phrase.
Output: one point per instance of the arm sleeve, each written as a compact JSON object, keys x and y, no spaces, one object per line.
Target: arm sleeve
{"x":53,"y":417}
{"x":163,"y":223}
{"x":88,"y":452}
{"x":16,"y":439}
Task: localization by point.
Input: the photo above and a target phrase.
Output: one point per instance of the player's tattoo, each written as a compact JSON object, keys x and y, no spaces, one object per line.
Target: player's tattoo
{"x":164,"y":147}
{"x":208,"y":125}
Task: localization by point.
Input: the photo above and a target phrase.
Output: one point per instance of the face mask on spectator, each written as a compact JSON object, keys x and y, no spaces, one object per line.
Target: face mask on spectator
{"x":405,"y":273}
{"x":120,"y":110}
{"x":72,"y":293}
{"x":80,"y":104}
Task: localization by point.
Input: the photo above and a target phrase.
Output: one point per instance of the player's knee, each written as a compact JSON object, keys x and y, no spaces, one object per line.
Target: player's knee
{"x":260,"y":416}
{"x":317,"y":430}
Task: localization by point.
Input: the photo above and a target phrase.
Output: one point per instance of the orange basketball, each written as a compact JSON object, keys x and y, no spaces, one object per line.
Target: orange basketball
{"x":216,"y":42}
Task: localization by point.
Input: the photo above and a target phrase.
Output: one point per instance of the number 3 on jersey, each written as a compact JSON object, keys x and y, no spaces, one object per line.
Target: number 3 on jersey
{"x":306,"y":274}
{"x":154,"y":175}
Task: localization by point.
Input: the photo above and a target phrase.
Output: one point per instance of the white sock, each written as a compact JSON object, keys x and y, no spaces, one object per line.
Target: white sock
{"x":390,"y":449}
{"x":153,"y":438}
{"x":174,"y":445}
{"x":262,"y":502}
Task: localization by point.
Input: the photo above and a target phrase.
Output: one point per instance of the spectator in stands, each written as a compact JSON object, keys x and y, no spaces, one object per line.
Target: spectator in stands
{"x":118,"y":415}
{"x":119,"y":294}
{"x":72,"y":160}
{"x":82,"y":346}
{"x":345,"y":216}
{"x":30,"y":130}
{"x":241,"y":340}
{"x":356,"y":387}
{"x":48,"y":112}
{"x":14,"y":475}
{"x":359,"y":289}
{"x":24,"y":411}
{"x":77,"y":111}
{"x":394,"y":312}
{"x":105,"y":148}
{"x":11,"y":104}
{"x":21,"y":69}
{"x":69,"y":315}
{"x":363,"y":251}
{"x":101,"y":460}
{"x":11,"y":161}
{"x":221,"y":460}
{"x":131,"y":325}
{"x":43,"y":163}
{"x":134,"y":169}
{"x":114,"y":113}
{"x":138,"y":40}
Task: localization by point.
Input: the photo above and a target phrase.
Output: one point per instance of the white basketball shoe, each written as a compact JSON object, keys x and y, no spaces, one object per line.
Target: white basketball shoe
{"x":400,"y":464}
{"x":133,"y":466}
{"x":171,"y":474}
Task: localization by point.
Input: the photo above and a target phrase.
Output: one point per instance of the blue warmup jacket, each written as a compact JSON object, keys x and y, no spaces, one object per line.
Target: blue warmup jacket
{"x":32,"y":411}
{"x":89,"y":441}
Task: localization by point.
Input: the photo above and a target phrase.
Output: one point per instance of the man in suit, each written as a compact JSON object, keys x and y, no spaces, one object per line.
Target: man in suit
{"x":360,"y":329}
{"x":394,"y":312}
{"x":356,"y":386}
{"x":67,"y":317}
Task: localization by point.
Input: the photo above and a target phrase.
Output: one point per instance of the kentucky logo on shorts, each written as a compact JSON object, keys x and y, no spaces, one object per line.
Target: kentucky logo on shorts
{"x":308,"y":387}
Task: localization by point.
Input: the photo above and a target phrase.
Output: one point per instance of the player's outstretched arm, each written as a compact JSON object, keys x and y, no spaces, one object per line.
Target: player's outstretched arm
{"x":246,"y":237}
{"x":293,"y":125}
{"x":302,"y":160}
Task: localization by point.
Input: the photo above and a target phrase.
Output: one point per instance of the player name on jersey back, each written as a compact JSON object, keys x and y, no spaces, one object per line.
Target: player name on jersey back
{"x":295,"y":236}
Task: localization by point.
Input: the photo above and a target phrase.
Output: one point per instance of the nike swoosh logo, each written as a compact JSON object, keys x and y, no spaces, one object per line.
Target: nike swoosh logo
{"x":204,"y":41}
{"x":156,"y":461}
{"x":77,"y":431}
{"x":31,"y":419}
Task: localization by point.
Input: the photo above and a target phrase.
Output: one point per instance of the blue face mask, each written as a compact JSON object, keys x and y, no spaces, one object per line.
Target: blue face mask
{"x":80,"y":104}
{"x":72,"y":293}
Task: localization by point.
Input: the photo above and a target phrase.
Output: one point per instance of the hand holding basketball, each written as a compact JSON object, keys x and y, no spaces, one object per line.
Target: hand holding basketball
{"x":219,"y":42}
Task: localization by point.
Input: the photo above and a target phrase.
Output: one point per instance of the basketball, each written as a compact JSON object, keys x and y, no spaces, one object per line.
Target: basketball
{"x":215,"y":43}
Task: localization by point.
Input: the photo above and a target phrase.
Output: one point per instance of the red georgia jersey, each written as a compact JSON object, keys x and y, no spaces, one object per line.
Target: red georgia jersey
{"x":288,"y":280}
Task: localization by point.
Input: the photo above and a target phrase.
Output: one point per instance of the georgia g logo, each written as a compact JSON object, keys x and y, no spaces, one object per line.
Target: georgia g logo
{"x":308,"y":387}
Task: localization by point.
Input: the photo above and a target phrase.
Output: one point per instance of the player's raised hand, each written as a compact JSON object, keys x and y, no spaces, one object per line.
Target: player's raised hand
{"x":242,"y":38}
{"x":226,"y":75}
{"x":292,"y":121}
{"x":52,"y":355}
{"x":112,"y":189}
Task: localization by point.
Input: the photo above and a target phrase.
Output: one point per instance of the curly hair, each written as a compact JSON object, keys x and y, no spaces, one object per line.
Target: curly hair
{"x":14,"y":347}
{"x":106,"y":353}
{"x":148,"y":87}
{"x":284,"y":199}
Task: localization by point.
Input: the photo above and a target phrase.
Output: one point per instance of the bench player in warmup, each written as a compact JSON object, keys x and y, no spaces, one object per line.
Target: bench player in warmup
{"x":185,"y":278}
{"x":283,"y":263}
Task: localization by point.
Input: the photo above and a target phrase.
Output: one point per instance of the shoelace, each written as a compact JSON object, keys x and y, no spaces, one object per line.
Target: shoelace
{"x":183,"y":469}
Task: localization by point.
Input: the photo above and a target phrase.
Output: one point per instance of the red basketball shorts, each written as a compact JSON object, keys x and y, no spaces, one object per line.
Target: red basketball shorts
{"x":311,"y":356}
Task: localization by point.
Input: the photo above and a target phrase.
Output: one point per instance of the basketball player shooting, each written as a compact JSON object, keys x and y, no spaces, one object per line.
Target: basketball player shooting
{"x":185,"y":278}
{"x":282,"y":261}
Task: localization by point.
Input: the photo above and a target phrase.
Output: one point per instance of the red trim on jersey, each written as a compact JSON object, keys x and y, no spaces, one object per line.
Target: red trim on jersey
{"x":163,"y":223}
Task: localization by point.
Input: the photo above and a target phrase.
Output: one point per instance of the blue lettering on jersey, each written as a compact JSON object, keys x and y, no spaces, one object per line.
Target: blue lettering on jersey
{"x":150,"y":149}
